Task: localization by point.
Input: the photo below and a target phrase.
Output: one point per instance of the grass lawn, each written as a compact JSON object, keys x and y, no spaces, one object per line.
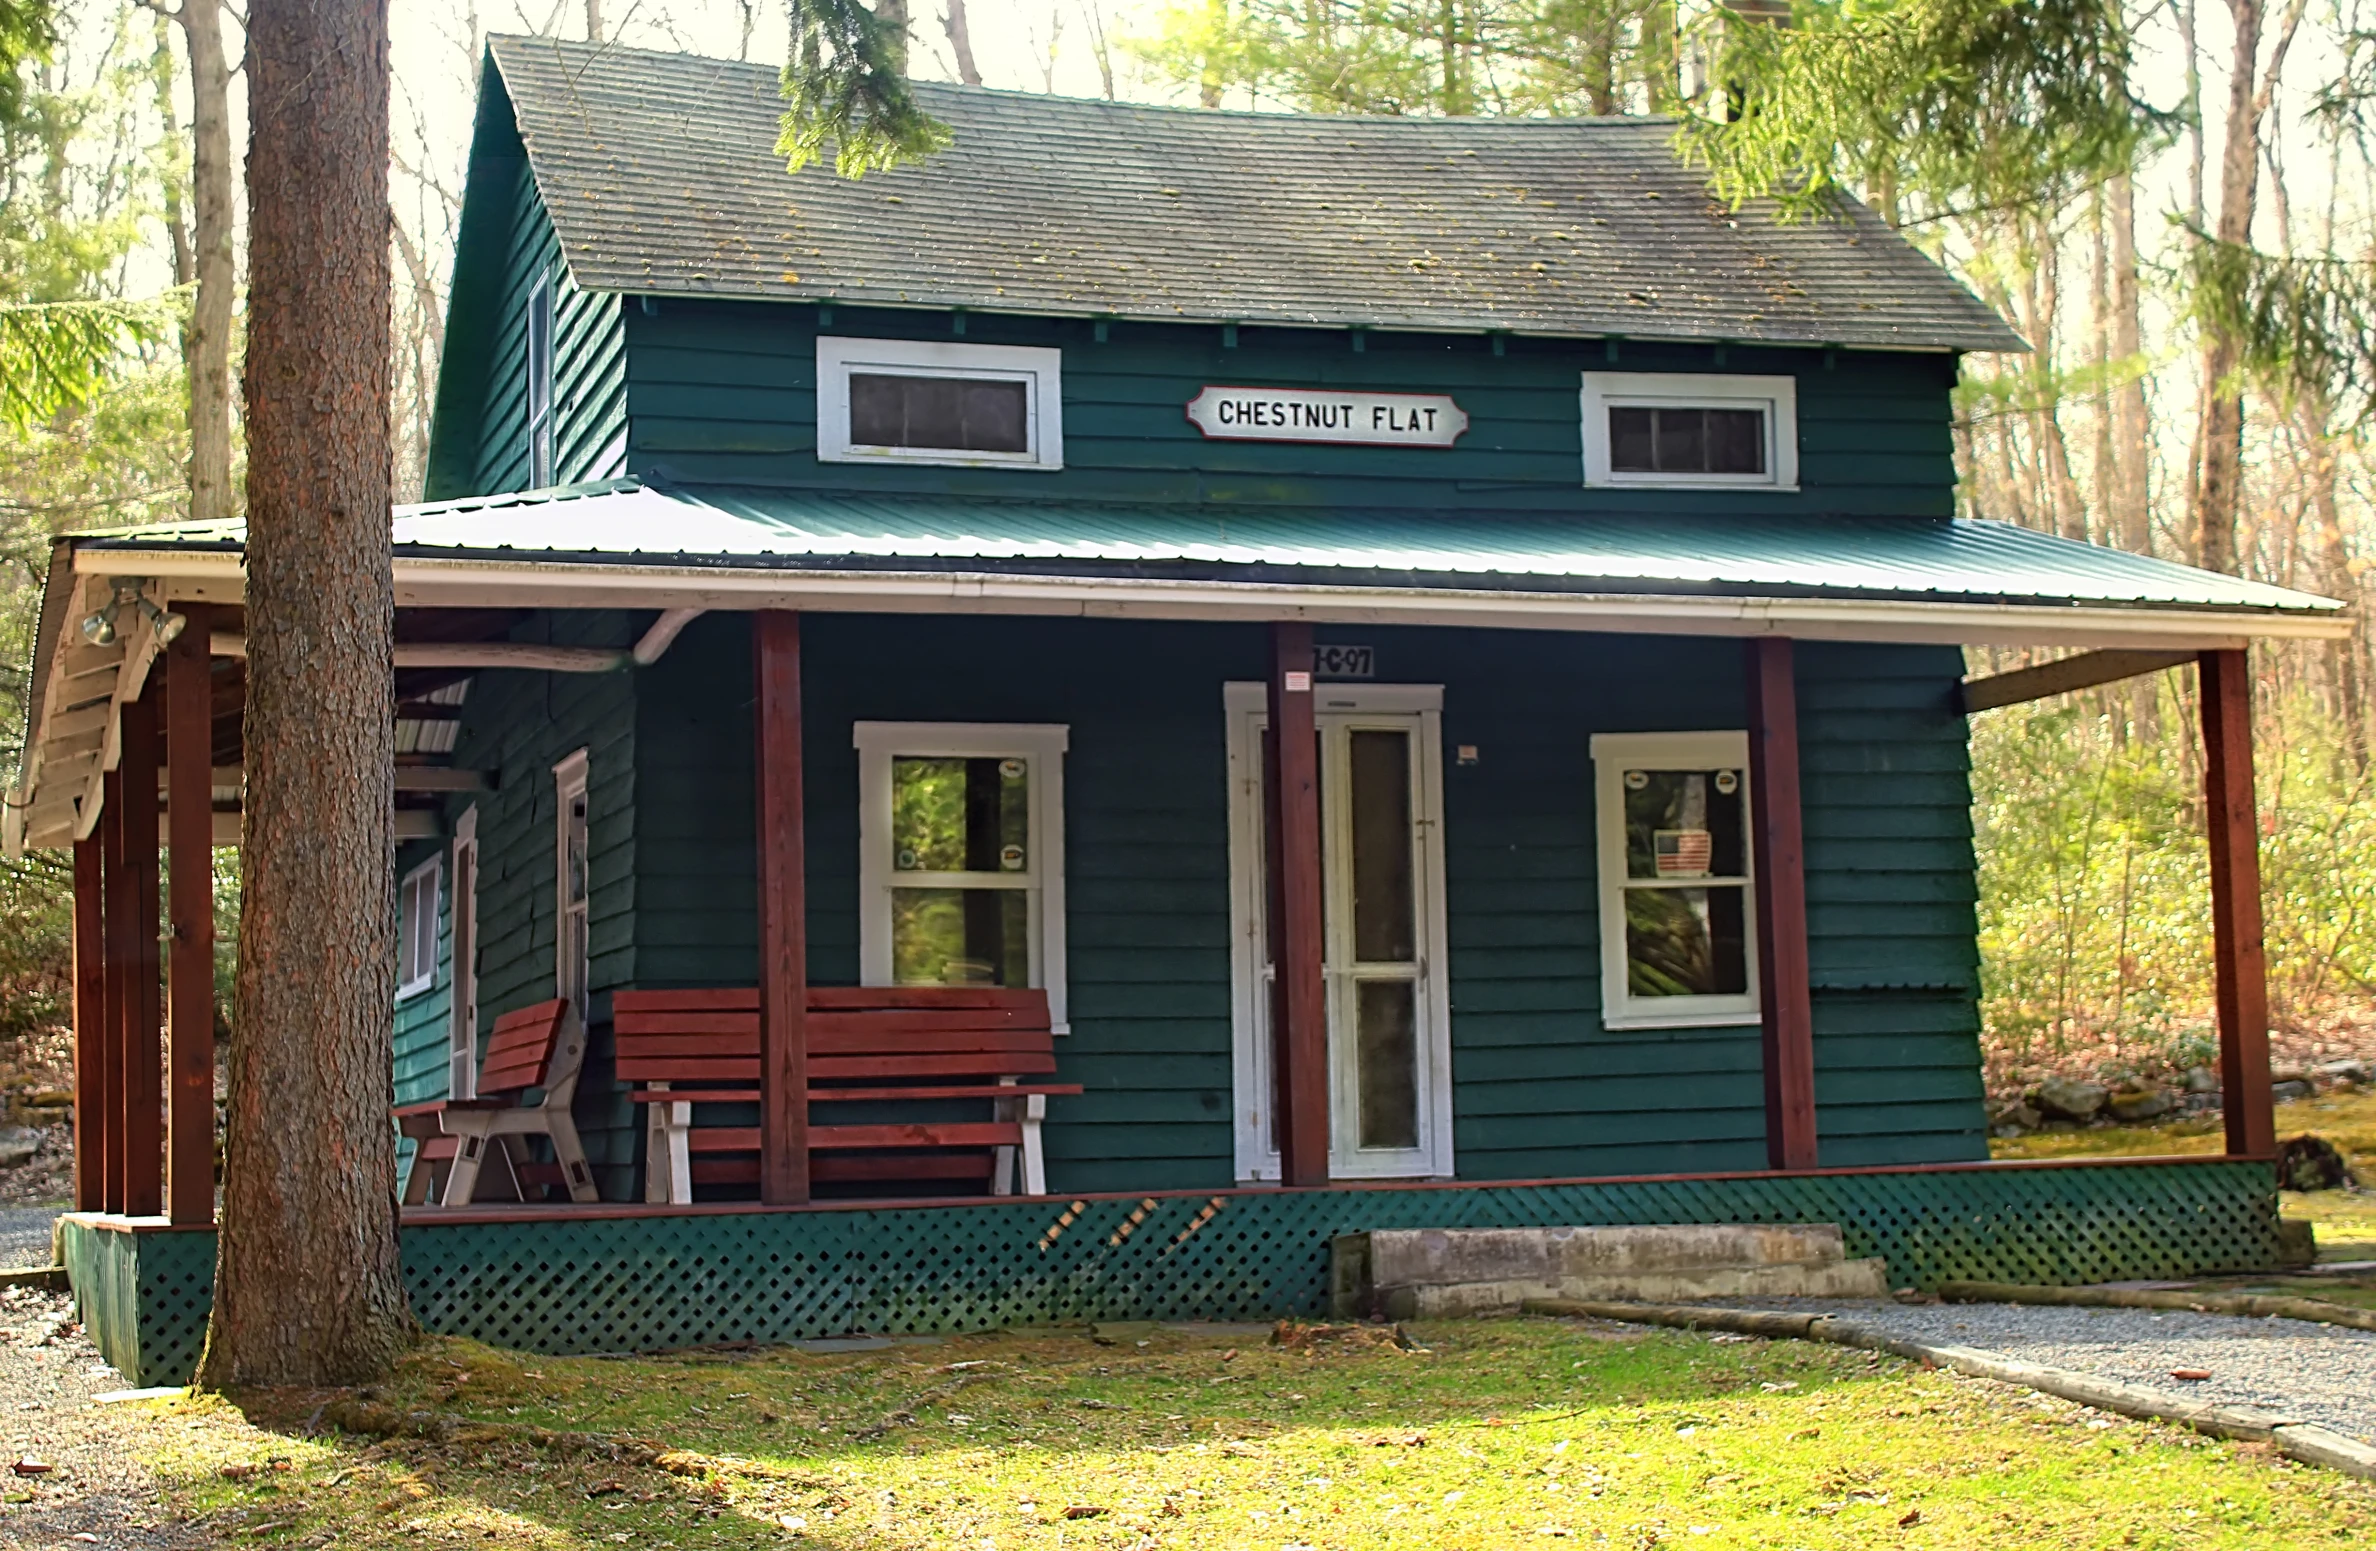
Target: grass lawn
{"x":1513,"y":1433}
{"x":2345,"y":1219}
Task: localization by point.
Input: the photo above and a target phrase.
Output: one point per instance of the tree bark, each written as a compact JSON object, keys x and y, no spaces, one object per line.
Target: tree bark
{"x":961,"y":40}
{"x":2222,"y":434}
{"x":2132,"y":514}
{"x":206,"y":342}
{"x":307,"y":1285}
{"x":593,"y":21}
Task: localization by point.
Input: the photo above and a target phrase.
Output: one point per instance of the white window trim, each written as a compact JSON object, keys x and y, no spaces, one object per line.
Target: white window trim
{"x":1247,"y":708}
{"x":1041,"y":370}
{"x":542,"y":419}
{"x":430,"y":871}
{"x":1612,"y":754}
{"x":1044,"y":745}
{"x":462,"y":1029}
{"x":569,"y":782}
{"x":1777,"y":396}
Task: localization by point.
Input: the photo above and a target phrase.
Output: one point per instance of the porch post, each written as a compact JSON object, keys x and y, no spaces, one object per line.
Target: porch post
{"x":1779,"y":865}
{"x":189,"y":807}
{"x":2239,"y":958}
{"x":783,"y":915}
{"x":91,"y":1030}
{"x":116,"y":955}
{"x":144,"y":1087}
{"x":1299,"y":995}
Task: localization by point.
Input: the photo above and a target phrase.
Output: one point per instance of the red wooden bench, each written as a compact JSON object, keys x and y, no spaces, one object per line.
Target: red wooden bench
{"x":865,"y":1044}
{"x":539,"y":1047}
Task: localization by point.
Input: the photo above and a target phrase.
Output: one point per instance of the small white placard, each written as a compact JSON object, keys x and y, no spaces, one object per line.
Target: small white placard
{"x":1326,"y":415}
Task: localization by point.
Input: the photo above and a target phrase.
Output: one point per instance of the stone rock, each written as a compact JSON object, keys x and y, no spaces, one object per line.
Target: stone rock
{"x":18,"y":1144}
{"x":2291,"y":1089}
{"x":2070,"y":1100}
{"x":50,"y":1098}
{"x":2288,"y":1072}
{"x":2019,"y":1117}
{"x":2143,"y":1104}
{"x":2312,"y":1163}
{"x":2201,"y":1079}
{"x":2346,"y":1070}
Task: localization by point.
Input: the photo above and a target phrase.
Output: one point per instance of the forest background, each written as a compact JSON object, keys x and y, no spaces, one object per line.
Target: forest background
{"x":2200,"y":291}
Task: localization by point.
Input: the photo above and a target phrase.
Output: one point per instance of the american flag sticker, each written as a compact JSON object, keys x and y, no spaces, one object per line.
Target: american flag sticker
{"x":1682,"y":853}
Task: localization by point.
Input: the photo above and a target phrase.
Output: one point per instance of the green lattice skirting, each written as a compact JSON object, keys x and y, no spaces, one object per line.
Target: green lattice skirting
{"x":641,"y":1283}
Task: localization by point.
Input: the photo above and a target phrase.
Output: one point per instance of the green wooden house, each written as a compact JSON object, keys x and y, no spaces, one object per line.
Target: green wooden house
{"x":1432,"y":649}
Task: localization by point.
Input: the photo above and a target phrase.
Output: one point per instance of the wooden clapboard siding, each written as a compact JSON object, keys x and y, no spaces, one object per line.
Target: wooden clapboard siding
{"x":422,"y":1070}
{"x":479,"y":440}
{"x":726,"y":391}
{"x":1892,"y":922}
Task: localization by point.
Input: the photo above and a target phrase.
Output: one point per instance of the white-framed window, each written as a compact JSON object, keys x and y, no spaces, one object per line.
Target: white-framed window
{"x":1677,"y":907}
{"x":540,"y":383}
{"x":1690,"y":430}
{"x":572,"y":888}
{"x":911,"y":401}
{"x":462,"y":1025}
{"x":961,"y":855}
{"x":416,"y":930}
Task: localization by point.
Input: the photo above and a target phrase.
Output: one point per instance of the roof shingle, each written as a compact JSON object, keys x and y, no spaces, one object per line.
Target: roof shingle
{"x":662,"y":178}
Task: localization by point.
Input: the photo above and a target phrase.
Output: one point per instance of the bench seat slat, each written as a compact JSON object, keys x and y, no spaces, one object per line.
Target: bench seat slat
{"x":638,"y":1041}
{"x":855,"y":1095}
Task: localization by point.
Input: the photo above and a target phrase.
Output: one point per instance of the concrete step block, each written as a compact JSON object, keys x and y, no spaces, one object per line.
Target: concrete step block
{"x":1436,"y":1273}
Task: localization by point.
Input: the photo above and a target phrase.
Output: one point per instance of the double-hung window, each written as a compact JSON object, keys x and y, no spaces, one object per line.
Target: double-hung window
{"x":540,"y":384}
{"x":1678,"y":913}
{"x":961,"y":871}
{"x":416,"y":930}
{"x":915,"y":401}
{"x":1690,"y":430}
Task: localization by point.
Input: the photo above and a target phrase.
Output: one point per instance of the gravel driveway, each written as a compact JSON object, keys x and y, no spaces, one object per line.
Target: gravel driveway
{"x":25,"y":1236}
{"x":2318,"y":1373}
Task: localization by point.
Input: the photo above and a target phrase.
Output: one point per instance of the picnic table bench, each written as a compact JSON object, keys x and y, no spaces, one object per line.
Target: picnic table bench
{"x":531,"y":1049}
{"x":866,"y":1045}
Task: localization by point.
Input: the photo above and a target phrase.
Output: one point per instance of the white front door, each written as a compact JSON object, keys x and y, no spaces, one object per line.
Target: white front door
{"x":1381,"y":861}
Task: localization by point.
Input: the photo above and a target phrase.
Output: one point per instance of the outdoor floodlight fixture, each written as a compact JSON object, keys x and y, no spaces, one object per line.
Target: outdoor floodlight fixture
{"x":99,"y":628}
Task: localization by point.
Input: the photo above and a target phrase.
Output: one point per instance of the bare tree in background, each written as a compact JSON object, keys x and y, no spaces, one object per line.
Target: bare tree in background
{"x":961,"y":41}
{"x":204,"y":254}
{"x":307,"y":1284}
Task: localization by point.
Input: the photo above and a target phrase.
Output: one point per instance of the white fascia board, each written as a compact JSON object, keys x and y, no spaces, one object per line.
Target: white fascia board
{"x":510,"y":583}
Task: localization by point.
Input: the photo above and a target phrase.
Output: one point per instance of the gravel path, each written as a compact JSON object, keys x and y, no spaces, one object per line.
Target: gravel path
{"x":2319,"y":1373}
{"x":25,"y":1236}
{"x":95,"y":1487}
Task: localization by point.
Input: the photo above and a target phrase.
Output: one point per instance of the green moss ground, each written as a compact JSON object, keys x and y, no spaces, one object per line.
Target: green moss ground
{"x":1499,"y":1434}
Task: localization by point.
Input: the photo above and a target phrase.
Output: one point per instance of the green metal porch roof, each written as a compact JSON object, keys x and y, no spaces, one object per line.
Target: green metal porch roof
{"x":624,"y":523}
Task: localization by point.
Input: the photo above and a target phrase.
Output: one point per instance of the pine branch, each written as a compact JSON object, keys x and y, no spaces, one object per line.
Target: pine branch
{"x":847,"y":89}
{"x":2308,"y":324}
{"x":55,"y":355}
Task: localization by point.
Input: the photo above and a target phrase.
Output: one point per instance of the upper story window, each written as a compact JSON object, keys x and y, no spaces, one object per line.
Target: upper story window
{"x":416,"y":930}
{"x":1690,"y":430}
{"x":540,"y":384}
{"x":910,"y":401}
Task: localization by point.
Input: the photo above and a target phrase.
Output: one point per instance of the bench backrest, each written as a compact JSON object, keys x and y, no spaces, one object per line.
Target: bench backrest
{"x":856,"y":1034}
{"x":520,"y":1050}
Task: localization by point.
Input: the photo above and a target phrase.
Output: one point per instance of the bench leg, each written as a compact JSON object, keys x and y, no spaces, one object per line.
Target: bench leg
{"x":668,"y":1151}
{"x":680,"y":1154}
{"x":462,"y":1178}
{"x":420,"y":1176}
{"x":570,"y":1153}
{"x":1035,"y":1167}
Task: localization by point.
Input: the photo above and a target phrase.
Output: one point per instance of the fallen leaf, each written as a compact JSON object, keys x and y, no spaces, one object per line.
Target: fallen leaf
{"x":1912,"y":1518}
{"x":1083,"y":1511}
{"x":29,"y":1466}
{"x":2190,"y":1375}
{"x":605,"y":1488}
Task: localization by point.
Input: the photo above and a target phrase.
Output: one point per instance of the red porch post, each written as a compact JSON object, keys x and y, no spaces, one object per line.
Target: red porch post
{"x":144,"y":1087}
{"x":1778,"y":862}
{"x":783,"y":914}
{"x":1299,"y":995}
{"x":2239,"y":958}
{"x":91,"y":1030}
{"x":189,"y":807}
{"x":115,"y":895}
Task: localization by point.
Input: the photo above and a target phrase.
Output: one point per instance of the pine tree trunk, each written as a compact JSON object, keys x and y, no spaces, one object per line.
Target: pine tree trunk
{"x":206,"y":344}
{"x":2131,"y":429}
{"x":2222,"y":435}
{"x":307,"y":1287}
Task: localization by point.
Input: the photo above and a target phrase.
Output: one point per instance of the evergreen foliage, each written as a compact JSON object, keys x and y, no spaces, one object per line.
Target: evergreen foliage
{"x":847,"y":85}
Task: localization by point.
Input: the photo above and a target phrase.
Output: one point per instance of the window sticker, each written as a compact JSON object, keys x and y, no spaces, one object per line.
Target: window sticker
{"x":1683,"y":853}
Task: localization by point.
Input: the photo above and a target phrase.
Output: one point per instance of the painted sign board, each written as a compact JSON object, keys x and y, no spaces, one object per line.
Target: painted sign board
{"x":1328,"y":415}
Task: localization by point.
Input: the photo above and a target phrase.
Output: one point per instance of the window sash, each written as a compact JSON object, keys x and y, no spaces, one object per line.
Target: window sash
{"x":416,"y":930}
{"x":1038,"y":368}
{"x":1613,"y":754}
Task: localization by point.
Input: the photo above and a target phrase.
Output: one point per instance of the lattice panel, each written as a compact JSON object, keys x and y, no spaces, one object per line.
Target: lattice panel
{"x":144,"y":1296}
{"x":646,"y":1283}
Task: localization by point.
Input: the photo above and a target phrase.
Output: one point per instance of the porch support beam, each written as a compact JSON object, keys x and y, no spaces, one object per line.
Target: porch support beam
{"x":1299,"y":996}
{"x":115,"y":971}
{"x":2061,"y":677}
{"x":2239,"y":956}
{"x":91,"y":1029}
{"x":189,"y":784}
{"x":1778,"y":863}
{"x":783,"y":914}
{"x":144,"y":1085}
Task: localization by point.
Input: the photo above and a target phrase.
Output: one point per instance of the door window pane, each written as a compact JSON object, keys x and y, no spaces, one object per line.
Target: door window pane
{"x":960,"y":815}
{"x":1683,"y":824}
{"x":1686,"y":942}
{"x":1383,"y":929}
{"x":1387,"y":1052}
{"x":960,"y":937}
{"x":962,"y":414}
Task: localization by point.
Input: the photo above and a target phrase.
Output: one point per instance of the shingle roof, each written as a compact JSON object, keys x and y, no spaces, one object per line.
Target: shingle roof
{"x":661,"y":175}
{"x":1912,"y":560}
